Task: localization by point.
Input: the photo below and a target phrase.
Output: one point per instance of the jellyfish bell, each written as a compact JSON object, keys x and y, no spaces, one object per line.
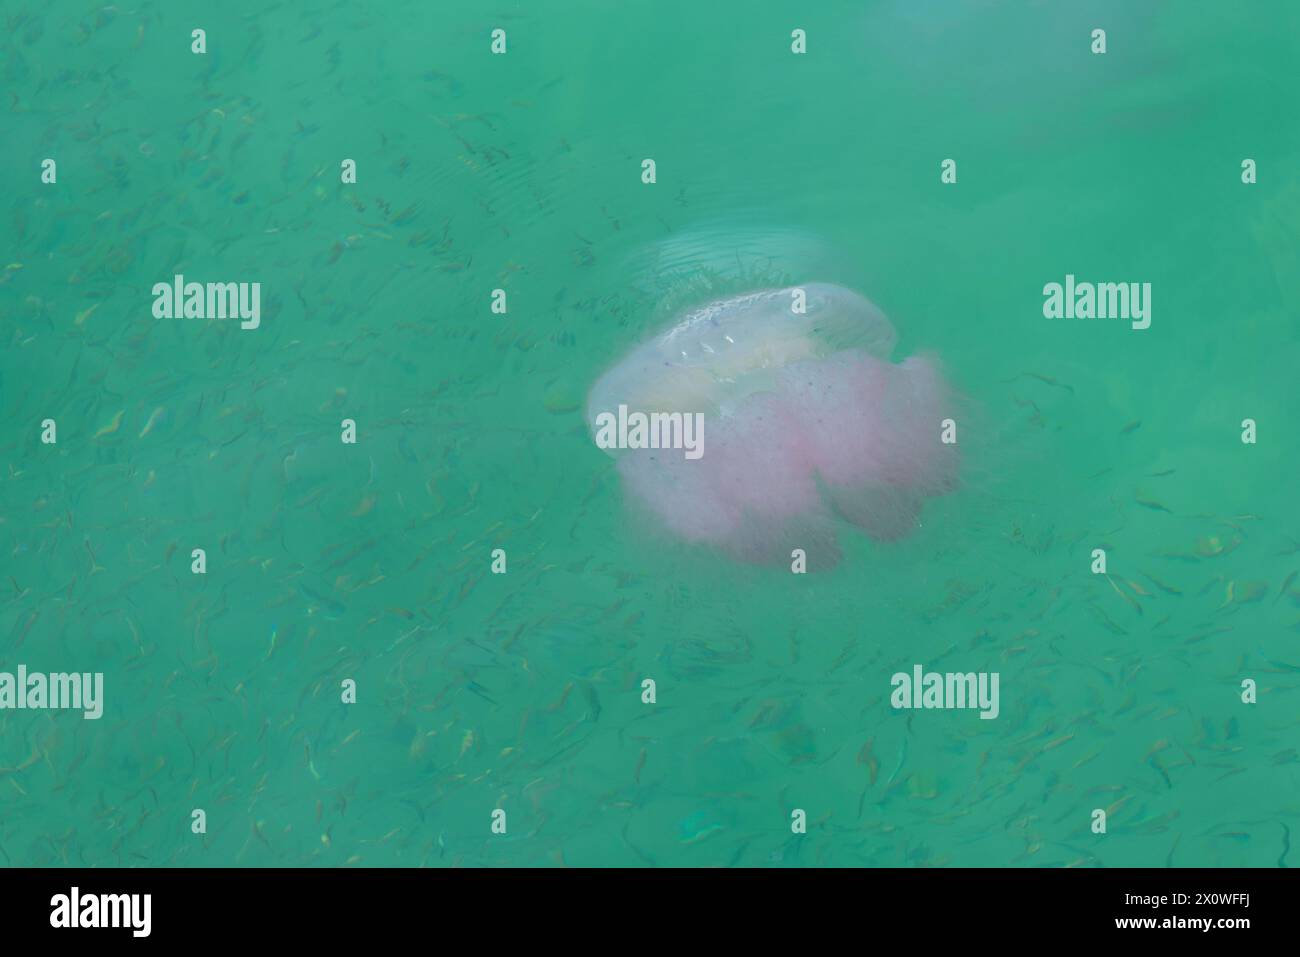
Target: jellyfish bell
{"x":719,"y":353}
{"x":803,"y":424}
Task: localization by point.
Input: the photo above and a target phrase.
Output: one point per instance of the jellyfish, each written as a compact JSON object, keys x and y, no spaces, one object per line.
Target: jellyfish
{"x":769,"y":421}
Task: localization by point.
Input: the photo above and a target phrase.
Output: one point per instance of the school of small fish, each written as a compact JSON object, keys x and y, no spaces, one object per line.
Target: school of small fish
{"x":372,"y":563}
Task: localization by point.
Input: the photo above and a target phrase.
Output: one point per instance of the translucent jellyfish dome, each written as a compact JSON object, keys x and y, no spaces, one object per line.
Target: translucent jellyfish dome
{"x":769,"y":420}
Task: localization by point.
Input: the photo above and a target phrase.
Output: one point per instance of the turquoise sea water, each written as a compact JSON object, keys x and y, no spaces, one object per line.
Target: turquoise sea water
{"x":522,"y":692}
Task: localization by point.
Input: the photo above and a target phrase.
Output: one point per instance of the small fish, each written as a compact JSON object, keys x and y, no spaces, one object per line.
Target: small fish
{"x":332,"y":608}
{"x":868,"y":757}
{"x":1285,"y":585}
{"x":564,"y":696}
{"x":1131,"y":427}
{"x":1212,"y":546}
{"x":1050,"y":381}
{"x":153,"y":418}
{"x":112,"y":426}
{"x":1087,"y":757}
{"x":923,"y":785}
{"x":1127,"y":597}
{"x":697,"y":827}
{"x":1107,"y":620}
{"x":1163,"y":773}
{"x":1110,"y":811}
{"x":593,"y":701}
{"x":94,"y":565}
{"x":1156,"y":748}
{"x":1161,"y":585}
{"x":1243,"y":594}
{"x":478,"y":689}
{"x":1151,"y":504}
{"x":1044,"y":379}
{"x":31,"y":620}
{"x":902,"y":758}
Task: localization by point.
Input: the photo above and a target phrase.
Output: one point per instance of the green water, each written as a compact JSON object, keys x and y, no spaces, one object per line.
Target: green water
{"x":522,"y":692}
